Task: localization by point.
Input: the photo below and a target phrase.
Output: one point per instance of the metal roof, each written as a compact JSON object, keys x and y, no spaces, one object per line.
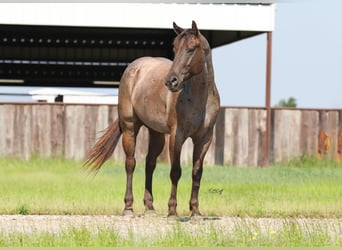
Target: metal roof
{"x":89,"y":44}
{"x":158,"y":1}
{"x":243,"y":17}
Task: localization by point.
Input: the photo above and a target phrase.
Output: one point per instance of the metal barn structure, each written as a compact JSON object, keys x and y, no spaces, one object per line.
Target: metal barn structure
{"x":90,"y":44}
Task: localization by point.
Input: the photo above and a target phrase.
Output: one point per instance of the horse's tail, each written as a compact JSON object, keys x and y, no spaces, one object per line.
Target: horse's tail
{"x":104,"y":147}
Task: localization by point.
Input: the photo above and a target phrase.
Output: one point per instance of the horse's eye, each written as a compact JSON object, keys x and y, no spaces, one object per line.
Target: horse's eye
{"x":191,"y":50}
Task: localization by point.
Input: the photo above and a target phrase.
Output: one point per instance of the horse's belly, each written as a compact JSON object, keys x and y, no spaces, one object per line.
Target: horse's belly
{"x":151,"y":110}
{"x":157,"y":125}
{"x":153,"y":118}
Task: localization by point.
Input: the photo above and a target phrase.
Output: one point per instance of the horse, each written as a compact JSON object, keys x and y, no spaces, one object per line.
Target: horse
{"x":176,"y":97}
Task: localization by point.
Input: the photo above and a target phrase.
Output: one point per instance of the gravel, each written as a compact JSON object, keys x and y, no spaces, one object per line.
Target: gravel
{"x":151,"y":226}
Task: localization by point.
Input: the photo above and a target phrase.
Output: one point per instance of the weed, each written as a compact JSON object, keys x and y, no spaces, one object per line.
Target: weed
{"x":23,"y":210}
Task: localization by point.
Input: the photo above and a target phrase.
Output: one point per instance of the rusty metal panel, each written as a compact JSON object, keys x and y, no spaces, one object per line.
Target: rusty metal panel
{"x":328,"y":134}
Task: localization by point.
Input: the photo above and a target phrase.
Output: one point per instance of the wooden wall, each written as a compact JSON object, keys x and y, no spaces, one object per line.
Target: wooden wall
{"x":69,"y":130}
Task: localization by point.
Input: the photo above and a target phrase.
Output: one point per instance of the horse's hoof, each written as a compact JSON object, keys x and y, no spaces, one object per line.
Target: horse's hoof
{"x":172,"y":218}
{"x":128,"y":213}
{"x":196,"y":217}
{"x":150,"y":213}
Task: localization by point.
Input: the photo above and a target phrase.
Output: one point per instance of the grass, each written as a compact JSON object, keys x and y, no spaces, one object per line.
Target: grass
{"x":292,"y":234}
{"x":59,"y":186}
{"x":302,"y":188}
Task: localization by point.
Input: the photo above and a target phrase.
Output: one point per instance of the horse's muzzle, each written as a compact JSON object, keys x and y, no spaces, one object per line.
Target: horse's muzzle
{"x":173,"y":84}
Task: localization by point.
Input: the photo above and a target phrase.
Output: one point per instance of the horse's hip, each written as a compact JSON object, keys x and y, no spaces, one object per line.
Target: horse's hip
{"x":144,"y":94}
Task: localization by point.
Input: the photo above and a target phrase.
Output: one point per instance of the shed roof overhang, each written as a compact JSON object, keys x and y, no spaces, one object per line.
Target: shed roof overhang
{"x":96,"y":38}
{"x":257,"y":17}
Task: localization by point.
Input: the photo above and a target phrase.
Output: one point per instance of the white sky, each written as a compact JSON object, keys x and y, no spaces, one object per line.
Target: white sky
{"x":307,"y":59}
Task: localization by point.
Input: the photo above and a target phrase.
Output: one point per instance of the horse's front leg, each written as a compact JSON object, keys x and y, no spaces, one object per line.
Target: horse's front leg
{"x":201,"y":146}
{"x":175,"y":146}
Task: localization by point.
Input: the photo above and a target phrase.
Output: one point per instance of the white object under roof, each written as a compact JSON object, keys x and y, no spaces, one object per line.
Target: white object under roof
{"x":244,"y":16}
{"x":72,"y":96}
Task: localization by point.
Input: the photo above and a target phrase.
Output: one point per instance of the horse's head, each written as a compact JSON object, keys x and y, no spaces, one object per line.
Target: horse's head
{"x":190,"y":49}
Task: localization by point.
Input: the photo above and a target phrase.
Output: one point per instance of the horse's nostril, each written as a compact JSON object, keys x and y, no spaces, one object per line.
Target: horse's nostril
{"x":174,"y":81}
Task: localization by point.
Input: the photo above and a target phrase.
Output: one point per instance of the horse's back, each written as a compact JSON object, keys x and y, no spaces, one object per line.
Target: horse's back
{"x":145,"y":69}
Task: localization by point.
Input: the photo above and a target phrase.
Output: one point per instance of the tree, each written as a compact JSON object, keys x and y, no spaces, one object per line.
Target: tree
{"x":290,"y":102}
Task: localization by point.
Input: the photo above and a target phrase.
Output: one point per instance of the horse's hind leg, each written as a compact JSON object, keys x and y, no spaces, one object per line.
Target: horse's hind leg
{"x":128,"y":143}
{"x":156,"y":144}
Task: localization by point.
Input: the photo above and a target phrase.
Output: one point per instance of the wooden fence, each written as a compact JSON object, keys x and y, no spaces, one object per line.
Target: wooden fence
{"x":69,"y":130}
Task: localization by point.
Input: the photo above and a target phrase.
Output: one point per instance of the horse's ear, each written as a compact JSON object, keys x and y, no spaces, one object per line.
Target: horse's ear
{"x":177,"y":29}
{"x":194,"y":28}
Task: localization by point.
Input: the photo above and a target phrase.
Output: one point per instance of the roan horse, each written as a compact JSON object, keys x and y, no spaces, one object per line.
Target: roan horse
{"x":179,"y":98}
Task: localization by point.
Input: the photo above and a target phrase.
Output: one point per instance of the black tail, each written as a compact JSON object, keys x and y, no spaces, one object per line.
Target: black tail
{"x":104,"y":147}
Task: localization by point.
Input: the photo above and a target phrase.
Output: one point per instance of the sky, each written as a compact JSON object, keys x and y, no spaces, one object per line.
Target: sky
{"x":306,"y":59}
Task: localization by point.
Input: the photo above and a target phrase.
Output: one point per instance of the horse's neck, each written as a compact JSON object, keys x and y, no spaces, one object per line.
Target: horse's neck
{"x":204,"y":82}
{"x":204,"y":92}
{"x":210,"y":69}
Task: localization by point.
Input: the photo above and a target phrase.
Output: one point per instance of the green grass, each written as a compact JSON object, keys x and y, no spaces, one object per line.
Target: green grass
{"x":303,"y":188}
{"x":57,"y":186}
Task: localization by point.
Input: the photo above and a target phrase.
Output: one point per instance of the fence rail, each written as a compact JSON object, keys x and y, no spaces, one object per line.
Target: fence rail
{"x":69,"y":130}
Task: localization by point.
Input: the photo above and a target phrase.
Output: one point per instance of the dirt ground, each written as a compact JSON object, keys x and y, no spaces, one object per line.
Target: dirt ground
{"x":141,"y":226}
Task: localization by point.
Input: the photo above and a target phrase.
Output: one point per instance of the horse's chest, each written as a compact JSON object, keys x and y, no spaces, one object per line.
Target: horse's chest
{"x":190,"y":117}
